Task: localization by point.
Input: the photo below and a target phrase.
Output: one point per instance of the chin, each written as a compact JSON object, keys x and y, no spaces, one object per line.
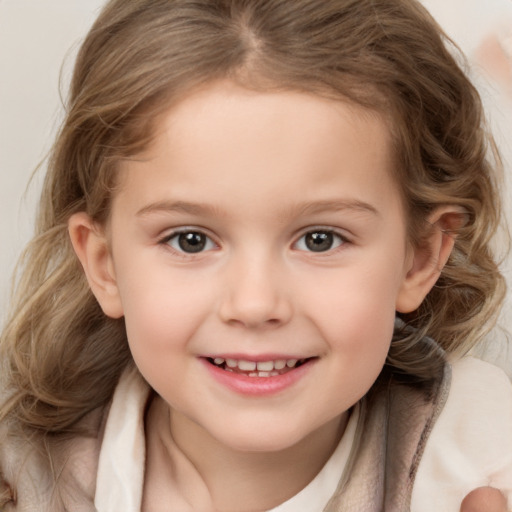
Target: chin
{"x":263,"y":439}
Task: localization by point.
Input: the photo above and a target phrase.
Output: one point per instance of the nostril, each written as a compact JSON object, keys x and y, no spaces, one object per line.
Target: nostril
{"x":254,"y":307}
{"x":253,"y":322}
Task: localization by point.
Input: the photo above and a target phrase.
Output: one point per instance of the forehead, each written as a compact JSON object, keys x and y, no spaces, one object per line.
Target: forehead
{"x":233,"y":141}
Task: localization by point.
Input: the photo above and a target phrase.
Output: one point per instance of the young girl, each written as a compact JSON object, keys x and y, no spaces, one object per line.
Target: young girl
{"x":258,"y":217}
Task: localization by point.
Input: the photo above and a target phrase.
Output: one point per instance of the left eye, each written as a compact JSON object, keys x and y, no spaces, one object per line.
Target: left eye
{"x":190,"y":242}
{"x":319,"y":241}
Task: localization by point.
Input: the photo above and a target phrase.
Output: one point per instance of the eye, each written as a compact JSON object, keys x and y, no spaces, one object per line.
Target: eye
{"x":189,"y":242}
{"x":319,"y":241}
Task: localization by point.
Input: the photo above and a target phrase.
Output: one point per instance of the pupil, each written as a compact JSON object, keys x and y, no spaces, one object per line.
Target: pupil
{"x":319,"y":241}
{"x":192,"y":242}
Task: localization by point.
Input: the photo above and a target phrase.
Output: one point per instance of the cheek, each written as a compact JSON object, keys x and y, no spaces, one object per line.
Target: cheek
{"x":355,"y":314}
{"x":161,"y":313}
{"x":160,"y":327}
{"x":359,"y":301}
{"x":360,"y":343}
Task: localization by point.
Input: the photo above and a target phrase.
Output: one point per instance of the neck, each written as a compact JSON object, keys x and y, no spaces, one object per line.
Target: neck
{"x":228,"y":479}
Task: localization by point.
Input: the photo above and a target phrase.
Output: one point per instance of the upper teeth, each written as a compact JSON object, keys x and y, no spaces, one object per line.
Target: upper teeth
{"x":250,"y":366}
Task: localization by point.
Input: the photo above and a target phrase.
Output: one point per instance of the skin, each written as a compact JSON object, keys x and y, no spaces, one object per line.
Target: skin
{"x":484,"y":499}
{"x":257,"y":174}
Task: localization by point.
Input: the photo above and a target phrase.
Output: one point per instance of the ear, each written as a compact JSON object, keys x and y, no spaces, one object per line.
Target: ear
{"x":428,"y":260}
{"x":90,"y":244}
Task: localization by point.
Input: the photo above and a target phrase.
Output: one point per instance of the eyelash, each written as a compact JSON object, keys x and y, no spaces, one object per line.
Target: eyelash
{"x":207,"y":244}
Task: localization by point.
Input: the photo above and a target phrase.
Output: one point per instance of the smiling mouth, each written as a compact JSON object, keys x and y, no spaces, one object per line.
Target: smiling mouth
{"x":257,"y":369}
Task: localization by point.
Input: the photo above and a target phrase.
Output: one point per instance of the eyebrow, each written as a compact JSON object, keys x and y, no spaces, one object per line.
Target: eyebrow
{"x":335,"y":205}
{"x":309,"y":208}
{"x":179,"y":207}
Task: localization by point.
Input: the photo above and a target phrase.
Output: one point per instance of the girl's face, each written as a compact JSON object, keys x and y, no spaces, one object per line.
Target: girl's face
{"x":258,"y":255}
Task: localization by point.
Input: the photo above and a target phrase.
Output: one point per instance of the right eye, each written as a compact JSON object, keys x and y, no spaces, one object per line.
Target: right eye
{"x":190,"y":242}
{"x":320,"y":240}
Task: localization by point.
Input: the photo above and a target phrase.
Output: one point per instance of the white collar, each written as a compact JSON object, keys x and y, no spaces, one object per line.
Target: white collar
{"x":120,"y":478}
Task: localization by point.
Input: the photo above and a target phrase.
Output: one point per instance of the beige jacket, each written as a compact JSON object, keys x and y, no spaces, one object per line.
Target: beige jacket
{"x":397,"y":421}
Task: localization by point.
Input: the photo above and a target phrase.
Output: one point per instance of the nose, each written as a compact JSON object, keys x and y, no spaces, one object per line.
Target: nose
{"x":256,"y":294}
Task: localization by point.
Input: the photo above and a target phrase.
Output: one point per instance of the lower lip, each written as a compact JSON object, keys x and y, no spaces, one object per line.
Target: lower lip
{"x":258,"y":386}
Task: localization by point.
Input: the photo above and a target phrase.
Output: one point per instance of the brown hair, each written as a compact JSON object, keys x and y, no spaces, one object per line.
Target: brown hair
{"x":62,"y":356}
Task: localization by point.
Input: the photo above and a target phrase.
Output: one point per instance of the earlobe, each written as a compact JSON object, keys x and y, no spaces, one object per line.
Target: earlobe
{"x":90,"y":244}
{"x":428,"y":259}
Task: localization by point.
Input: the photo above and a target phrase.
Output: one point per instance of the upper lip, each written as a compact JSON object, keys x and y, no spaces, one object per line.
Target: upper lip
{"x":256,"y":357}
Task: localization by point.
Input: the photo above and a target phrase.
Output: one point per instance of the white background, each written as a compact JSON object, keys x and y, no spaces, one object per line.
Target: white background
{"x":38,"y":41}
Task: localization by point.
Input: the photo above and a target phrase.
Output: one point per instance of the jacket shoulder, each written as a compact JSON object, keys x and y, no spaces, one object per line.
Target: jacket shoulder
{"x":56,"y":475}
